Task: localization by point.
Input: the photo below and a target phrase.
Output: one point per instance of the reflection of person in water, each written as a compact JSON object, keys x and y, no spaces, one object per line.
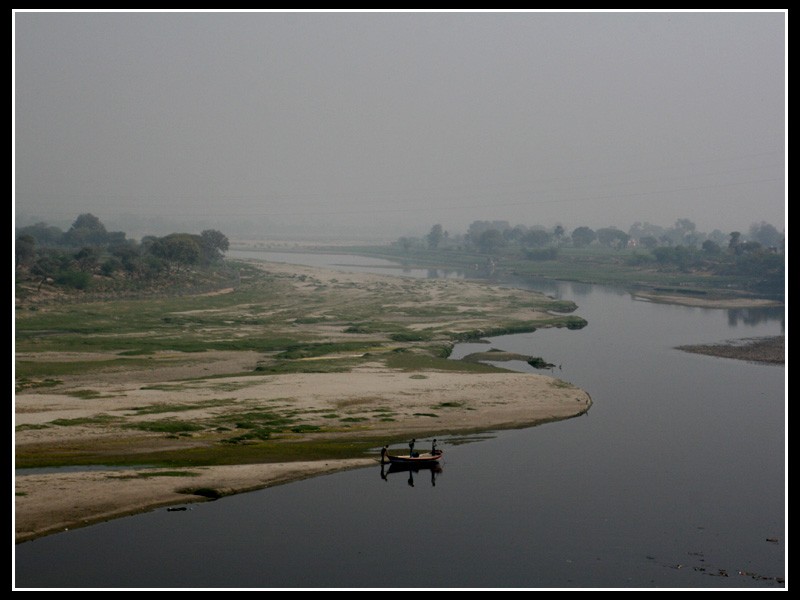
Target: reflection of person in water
{"x":411,"y":478}
{"x":384,"y":476}
{"x":411,"y":447}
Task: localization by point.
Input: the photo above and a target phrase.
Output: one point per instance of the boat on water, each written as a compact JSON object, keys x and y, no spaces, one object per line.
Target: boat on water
{"x":412,"y":459}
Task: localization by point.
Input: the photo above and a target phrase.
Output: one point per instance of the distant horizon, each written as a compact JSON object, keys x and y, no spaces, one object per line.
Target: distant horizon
{"x":304,"y":234}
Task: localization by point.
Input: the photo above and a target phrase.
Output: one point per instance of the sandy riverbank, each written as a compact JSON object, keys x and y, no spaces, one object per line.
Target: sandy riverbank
{"x":764,"y":350}
{"x":704,"y":302}
{"x":100,"y":412}
{"x":47,"y":503}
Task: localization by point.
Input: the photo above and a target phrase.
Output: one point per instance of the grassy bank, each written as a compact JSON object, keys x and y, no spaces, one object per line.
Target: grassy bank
{"x":94,"y":357}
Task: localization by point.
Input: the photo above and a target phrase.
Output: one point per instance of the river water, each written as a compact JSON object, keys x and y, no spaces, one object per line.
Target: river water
{"x":675,"y":478}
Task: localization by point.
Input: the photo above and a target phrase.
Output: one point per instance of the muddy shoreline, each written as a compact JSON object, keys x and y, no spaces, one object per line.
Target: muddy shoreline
{"x":763,"y":350}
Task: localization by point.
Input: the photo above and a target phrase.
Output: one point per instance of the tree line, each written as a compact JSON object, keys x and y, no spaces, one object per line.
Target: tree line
{"x":88,"y":251}
{"x":758,"y":254}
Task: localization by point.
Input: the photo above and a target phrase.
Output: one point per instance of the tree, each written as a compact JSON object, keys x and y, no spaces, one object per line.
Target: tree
{"x":612,"y":237}
{"x":490,"y":240}
{"x":718,"y":237}
{"x":583,"y":236}
{"x":435,"y":237}
{"x":44,"y":234}
{"x":181,"y":248}
{"x":766,"y":235}
{"x":537,"y":238}
{"x":558,"y":232}
{"x":111,"y":265}
{"x":87,"y":230}
{"x":681,"y":256}
{"x":478,"y":228}
{"x":49,"y":265}
{"x":648,"y":241}
{"x":128,"y":255}
{"x":87,"y":258}
{"x":515,"y":234}
{"x":735,"y":242}
{"x":639,"y":230}
{"x":711,"y":247}
{"x":749,"y":247}
{"x":214,"y":244}
{"x":88,"y":221}
{"x":685,"y":232}
{"x":25,"y":249}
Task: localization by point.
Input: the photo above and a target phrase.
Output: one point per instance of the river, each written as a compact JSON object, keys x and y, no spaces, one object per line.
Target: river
{"x":675,"y":478}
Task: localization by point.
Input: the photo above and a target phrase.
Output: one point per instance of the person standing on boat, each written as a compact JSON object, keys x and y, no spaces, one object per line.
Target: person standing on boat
{"x":384,"y":450}
{"x":433,"y":447}
{"x":411,"y":447}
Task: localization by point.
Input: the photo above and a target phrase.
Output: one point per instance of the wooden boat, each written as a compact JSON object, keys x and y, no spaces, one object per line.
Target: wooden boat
{"x":414,"y":459}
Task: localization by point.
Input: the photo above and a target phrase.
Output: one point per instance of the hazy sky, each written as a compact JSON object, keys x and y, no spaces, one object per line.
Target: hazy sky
{"x":393,"y":122}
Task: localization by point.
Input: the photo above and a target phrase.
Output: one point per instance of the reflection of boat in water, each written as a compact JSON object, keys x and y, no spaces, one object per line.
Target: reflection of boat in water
{"x":415,"y":459}
{"x":434,"y":467}
{"x":411,"y":468}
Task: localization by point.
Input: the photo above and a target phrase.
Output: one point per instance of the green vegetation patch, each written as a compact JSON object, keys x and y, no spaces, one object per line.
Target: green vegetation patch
{"x":411,"y":336}
{"x":254,"y":434}
{"x":296,"y":351}
{"x":86,"y":394}
{"x":210,"y":493}
{"x":280,"y":367}
{"x":254,"y":419}
{"x":537,"y":362}
{"x":31,"y":427}
{"x":558,"y":383}
{"x":306,"y":429}
{"x":26,"y":383}
{"x":97,"y":420}
{"x":570,"y":322}
{"x":370,"y":327}
{"x":495,"y":355}
{"x":167,"y":426}
{"x":148,"y":475}
{"x":49,"y":370}
{"x":231,"y":386}
{"x":413,"y":361}
{"x":155,"y":409}
{"x":311,"y":320}
{"x":170,"y":387}
{"x":449,"y":405}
